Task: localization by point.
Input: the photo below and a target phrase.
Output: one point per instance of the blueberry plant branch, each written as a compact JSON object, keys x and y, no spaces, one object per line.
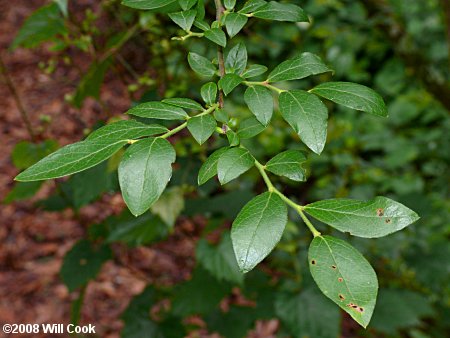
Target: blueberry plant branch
{"x":339,"y":270}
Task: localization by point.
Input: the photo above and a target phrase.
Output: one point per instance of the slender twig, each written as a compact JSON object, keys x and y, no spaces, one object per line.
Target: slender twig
{"x":23,"y":112}
{"x":297,"y":207}
{"x":220,"y":59}
{"x":264,"y":84}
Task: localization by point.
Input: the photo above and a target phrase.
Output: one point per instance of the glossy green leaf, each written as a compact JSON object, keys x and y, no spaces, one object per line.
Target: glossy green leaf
{"x":183,"y":103}
{"x":257,"y":229}
{"x":217,"y":36}
{"x":249,"y":128}
{"x":281,"y":12}
{"x":378,"y":217}
{"x":309,"y":314}
{"x":230,"y":81}
{"x":344,"y":276}
{"x":202,"y":127}
{"x":303,"y":66}
{"x":158,"y":110}
{"x":184,"y":19}
{"x":229,"y":4}
{"x":201,"y":65}
{"x":71,"y":159}
{"x":148,"y":4}
{"x":253,"y":71}
{"x":252,"y":5}
{"x":126,"y":129}
{"x":234,"y":22}
{"x":43,"y":25}
{"x":233,"y":163}
{"x":144,"y":172}
{"x":236,"y":59}
{"x":260,"y":102}
{"x":352,"y":95}
{"x":209,"y":169}
{"x":187,"y":4}
{"x":200,"y":24}
{"x":82,"y":263}
{"x":209,"y":92}
{"x":219,"y":259}
{"x":307,"y":115}
{"x":288,"y":164}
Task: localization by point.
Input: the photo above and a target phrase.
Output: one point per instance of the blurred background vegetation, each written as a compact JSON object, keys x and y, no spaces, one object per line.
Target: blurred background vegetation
{"x":398,"y":47}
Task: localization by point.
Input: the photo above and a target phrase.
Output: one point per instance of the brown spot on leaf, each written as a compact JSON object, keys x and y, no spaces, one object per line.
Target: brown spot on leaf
{"x":313,"y":262}
{"x":340,"y":279}
{"x":341,"y":297}
{"x":380,"y":212}
{"x":333,"y":267}
{"x":83,"y":261}
{"x":387,"y":221}
{"x":359,"y":309}
{"x":350,"y":304}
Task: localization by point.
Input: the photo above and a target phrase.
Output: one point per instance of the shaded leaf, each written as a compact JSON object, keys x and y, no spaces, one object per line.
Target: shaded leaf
{"x":230,"y":81}
{"x":236,"y":59}
{"x":288,"y":164}
{"x":184,"y":19}
{"x":209,"y":169}
{"x":233,"y":163}
{"x":249,"y":128}
{"x":209,"y":92}
{"x":234,"y":22}
{"x":217,"y":36}
{"x":201,"y":65}
{"x":260,"y":102}
{"x":202,"y":127}
{"x":257,"y":229}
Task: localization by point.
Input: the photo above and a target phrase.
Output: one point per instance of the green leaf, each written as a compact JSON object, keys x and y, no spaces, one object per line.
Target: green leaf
{"x":303,"y":66}
{"x":144,"y":172}
{"x":169,"y":206}
{"x":148,"y":4}
{"x":135,"y":231}
{"x":63,"y":6}
{"x":233,"y":163}
{"x":229,"y":4}
{"x":209,"y":169}
{"x":252,"y":5}
{"x":400,"y":309}
{"x":260,"y":102}
{"x":307,"y":115}
{"x":158,"y":110}
{"x":217,"y":36}
{"x":249,"y":128}
{"x":352,"y":95}
{"x":236,"y":59}
{"x":71,"y":159}
{"x":82,"y":263}
{"x":253,"y":71}
{"x":25,"y":154}
{"x":209,"y":92}
{"x":281,"y":12}
{"x":378,"y":217}
{"x":126,"y":130}
{"x":200,"y":24}
{"x":187,"y":4}
{"x":257,"y":229}
{"x":184,"y":103}
{"x":184,"y":19}
{"x":233,"y":138}
{"x":200,"y":295}
{"x":309,"y":314}
{"x":43,"y":25}
{"x":201,"y":65}
{"x":22,"y":191}
{"x":230,"y":81}
{"x":91,"y":83}
{"x":202,"y":127}
{"x":234,"y":22}
{"x":344,"y":276}
{"x":220,"y":260}
{"x":288,"y":164}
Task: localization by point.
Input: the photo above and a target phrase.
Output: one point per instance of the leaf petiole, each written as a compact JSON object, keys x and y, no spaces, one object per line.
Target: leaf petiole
{"x":264,"y":84}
